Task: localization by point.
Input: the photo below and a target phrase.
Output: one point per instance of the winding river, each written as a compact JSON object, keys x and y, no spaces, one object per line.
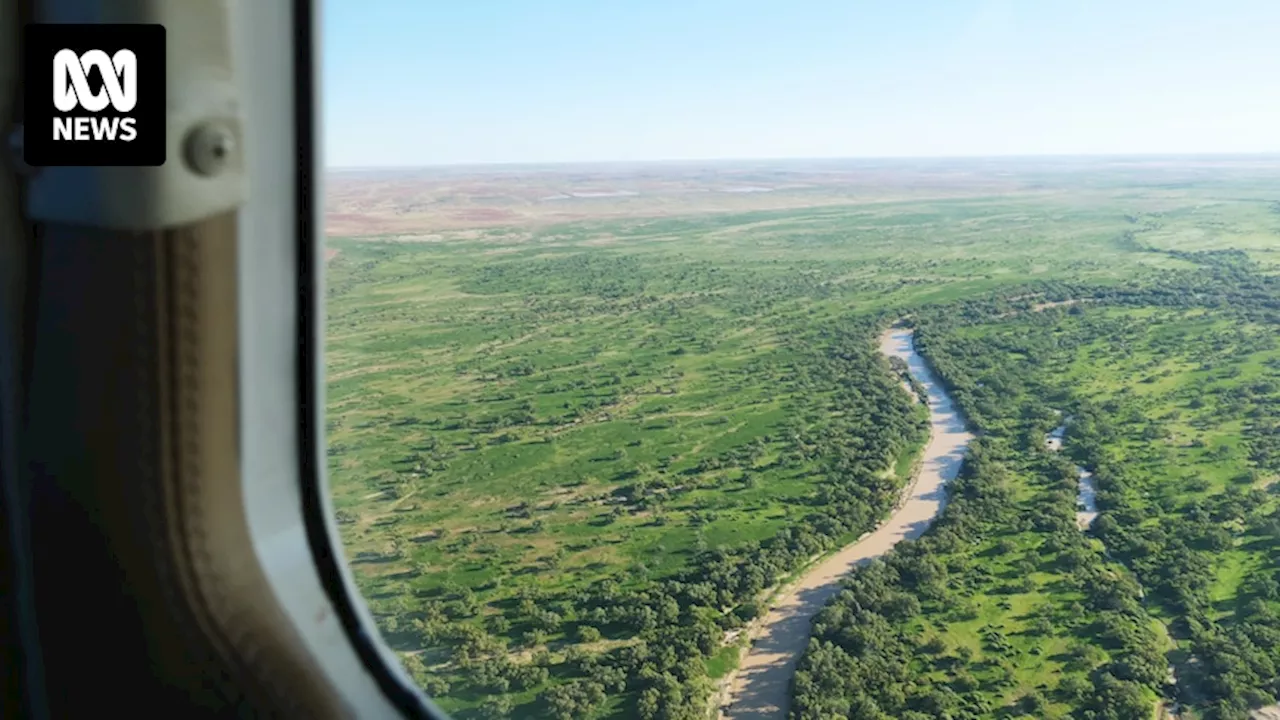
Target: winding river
{"x":760,"y":688}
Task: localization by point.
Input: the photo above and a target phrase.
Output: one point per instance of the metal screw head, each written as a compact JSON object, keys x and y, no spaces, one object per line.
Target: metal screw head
{"x":209,"y":147}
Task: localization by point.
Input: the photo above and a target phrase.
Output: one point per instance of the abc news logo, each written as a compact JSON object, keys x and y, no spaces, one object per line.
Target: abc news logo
{"x":106,"y":103}
{"x":71,"y":90}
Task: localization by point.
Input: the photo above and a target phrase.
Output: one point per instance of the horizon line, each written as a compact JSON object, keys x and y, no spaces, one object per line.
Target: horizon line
{"x":686,"y":161}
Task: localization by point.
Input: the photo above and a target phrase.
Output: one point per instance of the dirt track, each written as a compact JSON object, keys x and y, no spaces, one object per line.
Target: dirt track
{"x":760,"y":688}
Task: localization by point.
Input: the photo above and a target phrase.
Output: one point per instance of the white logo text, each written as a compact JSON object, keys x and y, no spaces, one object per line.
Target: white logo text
{"x":71,"y":90}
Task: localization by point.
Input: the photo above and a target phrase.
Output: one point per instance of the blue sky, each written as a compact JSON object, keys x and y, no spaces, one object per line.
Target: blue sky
{"x":424,"y":82}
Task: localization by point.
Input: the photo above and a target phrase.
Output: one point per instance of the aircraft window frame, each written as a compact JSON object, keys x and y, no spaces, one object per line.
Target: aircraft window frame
{"x":280,"y":326}
{"x":19,"y":637}
{"x":288,"y":505}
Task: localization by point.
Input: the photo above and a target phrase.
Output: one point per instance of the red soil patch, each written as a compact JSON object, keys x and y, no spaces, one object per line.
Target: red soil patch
{"x":354,"y":224}
{"x":348,"y":217}
{"x":485,"y":215}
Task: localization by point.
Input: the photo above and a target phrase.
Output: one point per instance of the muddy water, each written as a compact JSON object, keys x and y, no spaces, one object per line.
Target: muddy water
{"x":1086,"y":489}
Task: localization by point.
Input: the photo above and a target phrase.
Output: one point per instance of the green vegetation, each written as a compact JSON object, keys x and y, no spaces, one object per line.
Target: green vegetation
{"x":1177,"y":409}
{"x":567,"y":462}
{"x":1175,"y":406}
{"x":617,"y":456}
{"x":1002,"y":610}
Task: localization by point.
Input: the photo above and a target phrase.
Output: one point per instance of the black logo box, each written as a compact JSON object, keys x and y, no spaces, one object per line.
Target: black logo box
{"x":42,"y":42}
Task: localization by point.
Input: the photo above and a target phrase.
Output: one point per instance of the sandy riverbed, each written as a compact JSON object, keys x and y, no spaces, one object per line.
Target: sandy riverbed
{"x":759,"y":689}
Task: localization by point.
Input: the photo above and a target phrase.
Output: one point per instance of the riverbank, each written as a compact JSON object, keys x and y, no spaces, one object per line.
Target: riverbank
{"x":759,"y":689}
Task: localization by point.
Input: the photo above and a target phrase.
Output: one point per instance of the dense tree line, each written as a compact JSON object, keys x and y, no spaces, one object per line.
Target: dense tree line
{"x":1238,"y":655}
{"x":1222,"y":279}
{"x":1169,"y":544}
{"x":868,"y":660}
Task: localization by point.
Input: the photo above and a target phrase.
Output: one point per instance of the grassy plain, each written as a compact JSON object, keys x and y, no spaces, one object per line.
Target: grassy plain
{"x":525,"y":405}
